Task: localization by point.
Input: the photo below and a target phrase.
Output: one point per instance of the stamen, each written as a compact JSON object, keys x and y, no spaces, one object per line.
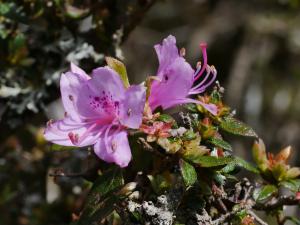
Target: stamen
{"x":208,"y":71}
{"x":73,"y":138}
{"x":199,"y":88}
{"x":114,"y":145}
{"x":204,"y":53}
{"x":214,"y":73}
{"x":129,"y":111}
{"x":182,"y":52}
{"x":85,"y":134}
{"x":50,"y":122}
{"x":209,"y":107}
{"x":106,"y":136}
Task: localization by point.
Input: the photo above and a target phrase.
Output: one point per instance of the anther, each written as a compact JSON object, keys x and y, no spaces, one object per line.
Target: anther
{"x":50,"y":122}
{"x":129,"y":112}
{"x":113,"y":145}
{"x":182,"y":52}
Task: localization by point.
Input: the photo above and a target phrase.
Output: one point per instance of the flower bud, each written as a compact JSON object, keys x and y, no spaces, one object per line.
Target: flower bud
{"x":284,"y":154}
{"x":259,"y":155}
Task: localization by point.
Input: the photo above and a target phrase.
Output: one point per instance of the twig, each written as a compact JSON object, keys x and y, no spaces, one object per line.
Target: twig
{"x":259,"y":220}
{"x":281,"y":201}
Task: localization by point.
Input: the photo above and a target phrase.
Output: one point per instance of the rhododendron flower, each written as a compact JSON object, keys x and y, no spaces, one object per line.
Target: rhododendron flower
{"x":177,"y":77}
{"x":98,"y":109}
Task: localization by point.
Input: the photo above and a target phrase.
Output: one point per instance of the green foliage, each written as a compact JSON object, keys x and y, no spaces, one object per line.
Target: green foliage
{"x":188,"y":173}
{"x":218,"y":142}
{"x":211,"y":161}
{"x":234,"y":126}
{"x":265,"y":192}
{"x":82,"y":32}
{"x":293,"y":185}
{"x":189,"y":135}
{"x":191,"y":107}
{"x":101,"y":201}
{"x":239,"y":162}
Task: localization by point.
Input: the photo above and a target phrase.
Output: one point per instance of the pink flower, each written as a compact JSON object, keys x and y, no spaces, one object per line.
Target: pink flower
{"x":98,"y":109}
{"x":177,"y":78}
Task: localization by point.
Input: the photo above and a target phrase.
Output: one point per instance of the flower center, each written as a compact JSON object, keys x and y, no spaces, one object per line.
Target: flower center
{"x":104,"y":102}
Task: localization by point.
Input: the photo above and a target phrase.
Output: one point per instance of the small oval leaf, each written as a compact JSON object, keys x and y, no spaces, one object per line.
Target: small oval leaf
{"x":264,"y":192}
{"x":188,"y":173}
{"x":237,"y":127}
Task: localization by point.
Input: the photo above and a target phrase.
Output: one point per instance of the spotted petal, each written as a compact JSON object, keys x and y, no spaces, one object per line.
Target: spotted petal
{"x":107,"y":80}
{"x":132,"y":106}
{"x":70,"y":86}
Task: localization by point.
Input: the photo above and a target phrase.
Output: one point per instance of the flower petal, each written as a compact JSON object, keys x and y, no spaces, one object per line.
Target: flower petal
{"x":132,"y":106}
{"x":177,"y":80}
{"x":67,"y":131}
{"x":70,"y":86}
{"x":107,"y":80}
{"x":119,"y":150}
{"x":79,"y":71}
{"x":95,"y":98}
{"x":166,"y":52}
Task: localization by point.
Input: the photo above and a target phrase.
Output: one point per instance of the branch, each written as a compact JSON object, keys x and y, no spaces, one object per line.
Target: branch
{"x":259,"y":220}
{"x":274,"y":204}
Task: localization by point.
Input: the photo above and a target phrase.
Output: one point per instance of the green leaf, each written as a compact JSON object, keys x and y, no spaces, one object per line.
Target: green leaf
{"x":237,"y":127}
{"x":107,"y":182}
{"x":216,"y":97}
{"x":188,"y":173}
{"x":219,"y":178}
{"x":264,"y":192}
{"x":293,"y":185}
{"x":293,"y":220}
{"x":55,"y":147}
{"x":159,"y":183}
{"x":239,"y":162}
{"x":120,"y":68}
{"x":220,"y":143}
{"x":189,"y":135}
{"x":165,"y":118}
{"x":17,"y":43}
{"x":4,"y":8}
{"x":211,"y":161}
{"x":100,"y":202}
{"x":191,"y":107}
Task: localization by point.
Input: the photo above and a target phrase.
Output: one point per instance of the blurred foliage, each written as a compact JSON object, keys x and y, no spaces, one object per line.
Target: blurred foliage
{"x":39,"y":37}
